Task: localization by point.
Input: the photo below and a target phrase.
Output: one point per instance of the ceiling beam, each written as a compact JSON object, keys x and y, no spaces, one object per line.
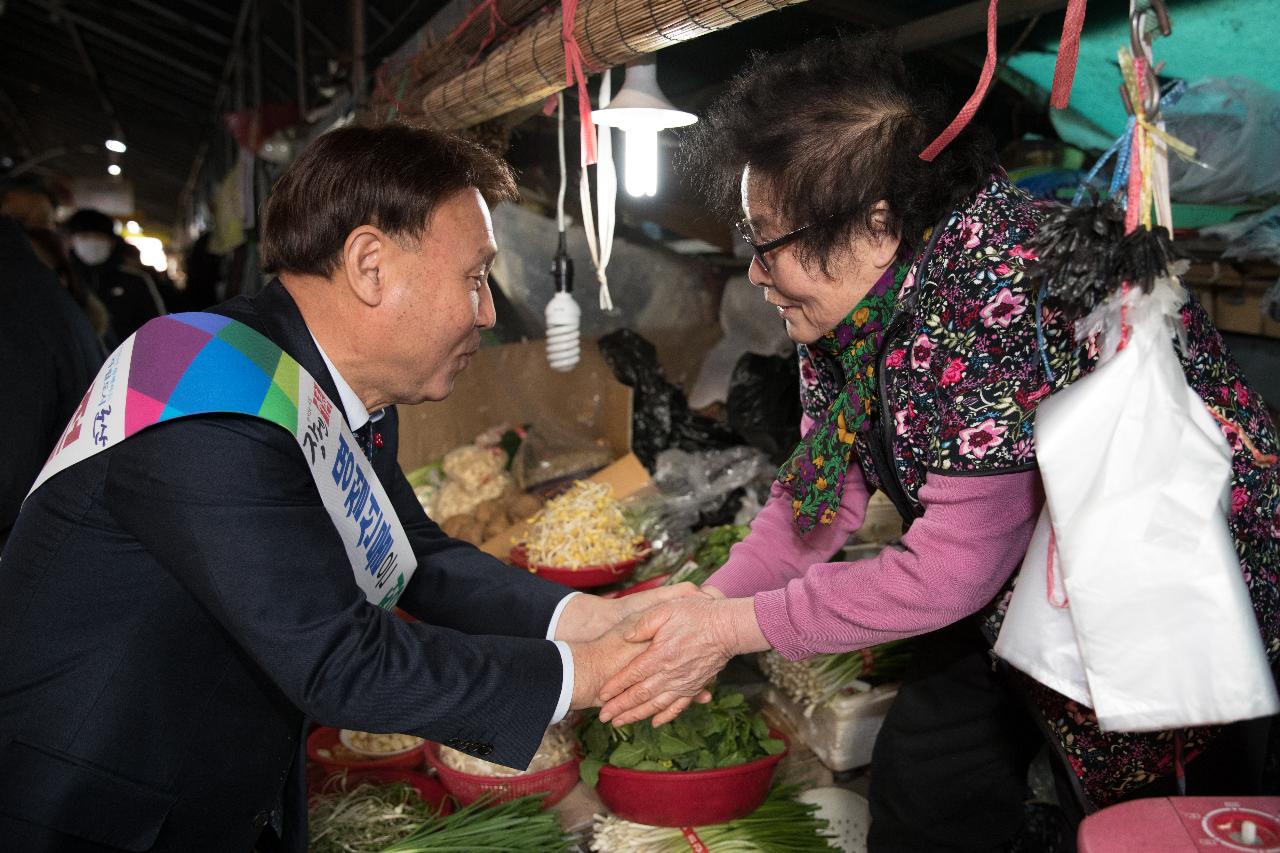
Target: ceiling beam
{"x":955,"y":23}
{"x":966,"y":20}
{"x":215,"y":11}
{"x":23,"y":137}
{"x":163,"y":11}
{"x":58,"y":10}
{"x":95,"y":81}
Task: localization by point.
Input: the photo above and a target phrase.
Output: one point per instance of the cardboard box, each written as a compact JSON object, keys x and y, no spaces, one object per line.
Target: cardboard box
{"x":513,"y":384}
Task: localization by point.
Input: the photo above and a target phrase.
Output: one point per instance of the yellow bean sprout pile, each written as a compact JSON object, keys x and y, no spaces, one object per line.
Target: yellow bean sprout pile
{"x":582,"y":527}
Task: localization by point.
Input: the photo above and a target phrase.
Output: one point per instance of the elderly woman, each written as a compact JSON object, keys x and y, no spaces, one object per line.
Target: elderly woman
{"x":906,"y":286}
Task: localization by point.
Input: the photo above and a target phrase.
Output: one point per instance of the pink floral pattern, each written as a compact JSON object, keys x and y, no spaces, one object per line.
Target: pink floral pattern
{"x":1005,"y":307}
{"x":976,"y":441}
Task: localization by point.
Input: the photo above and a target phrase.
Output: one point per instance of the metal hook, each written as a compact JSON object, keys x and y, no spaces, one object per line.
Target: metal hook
{"x":1140,"y":45}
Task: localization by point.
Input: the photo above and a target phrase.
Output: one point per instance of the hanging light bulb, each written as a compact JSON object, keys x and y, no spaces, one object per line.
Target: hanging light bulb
{"x":640,"y":110}
{"x":563,"y":315}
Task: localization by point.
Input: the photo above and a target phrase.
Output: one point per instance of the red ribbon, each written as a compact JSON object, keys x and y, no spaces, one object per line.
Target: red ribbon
{"x":962,"y":119}
{"x":1064,"y":70}
{"x":573,"y":73}
{"x":695,"y":843}
{"x":1064,"y":73}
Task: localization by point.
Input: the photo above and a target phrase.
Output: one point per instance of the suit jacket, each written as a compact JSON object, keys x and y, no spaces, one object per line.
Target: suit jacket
{"x":177,"y":604}
{"x":48,"y":356}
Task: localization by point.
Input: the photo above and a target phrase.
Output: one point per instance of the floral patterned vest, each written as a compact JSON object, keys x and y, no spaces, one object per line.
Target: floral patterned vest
{"x":961,"y":373}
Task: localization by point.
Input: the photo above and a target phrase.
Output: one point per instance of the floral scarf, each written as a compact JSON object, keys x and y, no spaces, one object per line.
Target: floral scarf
{"x":845,"y":360}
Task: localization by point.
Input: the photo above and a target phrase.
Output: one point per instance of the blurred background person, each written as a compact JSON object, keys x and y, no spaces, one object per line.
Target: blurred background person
{"x":30,"y":201}
{"x":48,"y":356}
{"x":102,"y":263}
{"x":52,"y":252}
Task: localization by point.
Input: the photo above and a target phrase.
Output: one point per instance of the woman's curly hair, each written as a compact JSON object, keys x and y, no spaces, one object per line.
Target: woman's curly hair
{"x":835,"y":126}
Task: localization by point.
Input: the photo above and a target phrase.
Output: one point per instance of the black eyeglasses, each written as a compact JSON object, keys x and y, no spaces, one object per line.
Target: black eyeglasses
{"x":762,"y":249}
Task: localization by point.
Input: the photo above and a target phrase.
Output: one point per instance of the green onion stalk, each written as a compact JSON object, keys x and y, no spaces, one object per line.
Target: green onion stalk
{"x":817,"y":681}
{"x":518,"y":826}
{"x":392,"y":818}
{"x":782,"y":824}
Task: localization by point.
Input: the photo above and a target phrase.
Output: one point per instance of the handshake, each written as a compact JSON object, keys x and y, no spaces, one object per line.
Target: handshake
{"x":648,"y":655}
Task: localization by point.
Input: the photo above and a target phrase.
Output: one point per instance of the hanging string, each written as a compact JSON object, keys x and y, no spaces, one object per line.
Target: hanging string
{"x":1053,"y":550}
{"x":1064,"y":70}
{"x":606,"y":200}
{"x":962,"y":119}
{"x":1064,"y":73}
{"x":1264,"y":460}
{"x":564,"y":178}
{"x":573,"y":73}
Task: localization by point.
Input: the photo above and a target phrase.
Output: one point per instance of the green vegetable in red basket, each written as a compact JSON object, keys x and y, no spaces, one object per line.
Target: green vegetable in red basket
{"x":722,"y":733}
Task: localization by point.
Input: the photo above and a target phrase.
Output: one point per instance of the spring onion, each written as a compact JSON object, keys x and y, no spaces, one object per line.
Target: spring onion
{"x":518,"y":826}
{"x":782,"y":824}
{"x":820,"y":679}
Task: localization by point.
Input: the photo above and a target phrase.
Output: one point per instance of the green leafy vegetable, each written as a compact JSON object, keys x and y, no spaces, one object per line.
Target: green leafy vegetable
{"x":711,"y":552}
{"x":723,"y":733}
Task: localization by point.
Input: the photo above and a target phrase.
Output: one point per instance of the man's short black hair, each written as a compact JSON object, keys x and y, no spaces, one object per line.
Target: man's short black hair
{"x":392,"y":176}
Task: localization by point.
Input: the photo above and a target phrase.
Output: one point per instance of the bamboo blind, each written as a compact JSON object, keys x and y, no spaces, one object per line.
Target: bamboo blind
{"x":530,"y":66}
{"x":452,"y":56}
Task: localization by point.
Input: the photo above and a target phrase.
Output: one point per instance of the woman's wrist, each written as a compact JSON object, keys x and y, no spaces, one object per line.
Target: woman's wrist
{"x":743,"y":629}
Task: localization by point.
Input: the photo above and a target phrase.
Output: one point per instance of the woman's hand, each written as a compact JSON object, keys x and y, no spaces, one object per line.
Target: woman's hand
{"x":691,"y":639}
{"x":587,"y":617}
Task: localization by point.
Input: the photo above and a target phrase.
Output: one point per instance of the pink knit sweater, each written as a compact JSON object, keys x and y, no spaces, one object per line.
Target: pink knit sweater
{"x":953,"y":560}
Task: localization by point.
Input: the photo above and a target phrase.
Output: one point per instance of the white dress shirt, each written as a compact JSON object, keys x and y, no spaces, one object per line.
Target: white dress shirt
{"x":357,"y":417}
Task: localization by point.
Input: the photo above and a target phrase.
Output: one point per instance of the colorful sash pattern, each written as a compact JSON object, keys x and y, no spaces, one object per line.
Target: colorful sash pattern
{"x":197,"y":363}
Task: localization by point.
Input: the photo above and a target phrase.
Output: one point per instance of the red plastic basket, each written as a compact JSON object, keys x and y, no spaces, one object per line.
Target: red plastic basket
{"x":585,"y":577}
{"x":556,"y":782}
{"x":651,"y":583}
{"x":689,"y":797}
{"x":326,"y":738}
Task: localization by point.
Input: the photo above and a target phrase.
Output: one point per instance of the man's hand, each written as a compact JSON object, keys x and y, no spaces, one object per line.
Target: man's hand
{"x":690,"y":640}
{"x":594,"y":661}
{"x":587,"y":617}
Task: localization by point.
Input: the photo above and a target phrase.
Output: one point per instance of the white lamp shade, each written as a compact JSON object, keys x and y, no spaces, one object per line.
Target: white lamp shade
{"x":641,"y":104}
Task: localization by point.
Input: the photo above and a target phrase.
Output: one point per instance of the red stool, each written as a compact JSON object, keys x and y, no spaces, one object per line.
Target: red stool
{"x":1177,"y":824}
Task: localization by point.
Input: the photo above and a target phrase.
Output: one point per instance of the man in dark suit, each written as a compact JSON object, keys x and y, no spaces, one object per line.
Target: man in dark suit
{"x":179,"y":604}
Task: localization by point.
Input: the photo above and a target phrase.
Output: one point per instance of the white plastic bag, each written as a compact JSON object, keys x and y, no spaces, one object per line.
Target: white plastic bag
{"x":1232,"y":122}
{"x":1158,"y":631}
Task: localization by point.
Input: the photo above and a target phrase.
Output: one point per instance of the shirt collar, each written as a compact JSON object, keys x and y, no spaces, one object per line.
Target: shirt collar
{"x":357,"y":414}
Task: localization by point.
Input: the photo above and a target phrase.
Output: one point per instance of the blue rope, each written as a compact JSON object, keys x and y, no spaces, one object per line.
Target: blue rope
{"x":1097,"y":167}
{"x":1040,"y":341}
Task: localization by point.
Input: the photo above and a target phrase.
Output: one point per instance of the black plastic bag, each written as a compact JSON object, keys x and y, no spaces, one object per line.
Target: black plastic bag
{"x":764,"y":403}
{"x":661,"y":418}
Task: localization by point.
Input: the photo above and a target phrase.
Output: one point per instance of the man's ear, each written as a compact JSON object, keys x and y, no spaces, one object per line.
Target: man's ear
{"x":363,"y":256}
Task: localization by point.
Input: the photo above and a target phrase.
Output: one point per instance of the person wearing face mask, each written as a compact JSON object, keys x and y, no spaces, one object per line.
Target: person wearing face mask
{"x":908,"y":286}
{"x":129,"y":294}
